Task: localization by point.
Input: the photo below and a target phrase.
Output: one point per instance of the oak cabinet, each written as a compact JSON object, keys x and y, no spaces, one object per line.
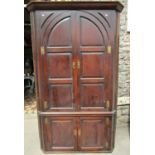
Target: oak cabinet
{"x":75,"y":53}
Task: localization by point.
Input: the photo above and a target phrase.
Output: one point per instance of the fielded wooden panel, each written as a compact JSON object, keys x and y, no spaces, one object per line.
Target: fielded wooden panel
{"x":95,"y":133}
{"x":59,"y":133}
{"x":75,"y":52}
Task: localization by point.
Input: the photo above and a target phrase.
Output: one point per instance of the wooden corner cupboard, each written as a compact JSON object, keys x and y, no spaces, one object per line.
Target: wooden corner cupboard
{"x":75,"y":53}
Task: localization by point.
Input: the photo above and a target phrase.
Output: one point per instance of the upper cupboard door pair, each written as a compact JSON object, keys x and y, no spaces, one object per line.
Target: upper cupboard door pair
{"x":77,"y":70}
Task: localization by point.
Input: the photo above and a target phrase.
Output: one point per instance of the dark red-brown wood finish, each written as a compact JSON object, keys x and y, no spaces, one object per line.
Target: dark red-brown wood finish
{"x":75,"y":51}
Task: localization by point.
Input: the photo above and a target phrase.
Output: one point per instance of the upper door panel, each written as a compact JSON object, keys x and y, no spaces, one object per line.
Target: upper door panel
{"x":60,"y":34}
{"x":93,"y":37}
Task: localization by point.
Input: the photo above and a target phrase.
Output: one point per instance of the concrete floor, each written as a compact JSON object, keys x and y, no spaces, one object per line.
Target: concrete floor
{"x":32,"y":144}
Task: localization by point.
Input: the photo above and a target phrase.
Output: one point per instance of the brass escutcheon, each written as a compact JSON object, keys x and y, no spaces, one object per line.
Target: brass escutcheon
{"x":75,"y":132}
{"x":46,"y":120}
{"x":79,"y":132}
{"x":78,"y":64}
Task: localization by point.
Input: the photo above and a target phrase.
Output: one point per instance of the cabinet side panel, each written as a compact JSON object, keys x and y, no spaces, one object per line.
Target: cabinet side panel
{"x":35,"y":64}
{"x":35,"y":34}
{"x":115,"y":62}
{"x":34,"y":52}
{"x":115,"y":73}
{"x":114,"y":55}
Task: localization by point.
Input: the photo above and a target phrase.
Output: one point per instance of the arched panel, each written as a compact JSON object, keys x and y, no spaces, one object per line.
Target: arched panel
{"x":60,"y":34}
{"x":51,"y":23}
{"x":90,"y":34}
{"x":94,"y":28}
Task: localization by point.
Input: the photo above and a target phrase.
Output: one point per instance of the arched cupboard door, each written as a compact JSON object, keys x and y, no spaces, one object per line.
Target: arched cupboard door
{"x":76,"y":64}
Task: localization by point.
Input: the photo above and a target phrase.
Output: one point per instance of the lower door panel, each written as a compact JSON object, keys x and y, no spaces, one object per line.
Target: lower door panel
{"x":58,"y":134}
{"x":94,"y":133}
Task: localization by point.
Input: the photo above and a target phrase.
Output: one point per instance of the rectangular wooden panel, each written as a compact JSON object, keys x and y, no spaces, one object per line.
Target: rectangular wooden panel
{"x":60,"y":81}
{"x":59,"y":133}
{"x":92,"y":48}
{"x":59,"y":49}
{"x":92,"y":65}
{"x":92,"y":95}
{"x":95,"y":133}
{"x":59,"y":65}
{"x":60,"y":96}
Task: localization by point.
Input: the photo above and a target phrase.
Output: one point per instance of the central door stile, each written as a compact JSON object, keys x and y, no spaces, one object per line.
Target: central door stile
{"x":76,"y":47}
{"x":78,"y":57}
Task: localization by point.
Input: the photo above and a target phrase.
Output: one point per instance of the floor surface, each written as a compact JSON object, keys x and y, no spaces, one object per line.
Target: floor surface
{"x":32,"y":144}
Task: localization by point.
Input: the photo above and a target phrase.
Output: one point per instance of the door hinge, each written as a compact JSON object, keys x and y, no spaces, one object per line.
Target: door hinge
{"x":109,"y":49}
{"x":107,"y":104}
{"x":42,"y":50}
{"x":45,"y":105}
{"x":46,"y":120}
{"x":106,"y":144}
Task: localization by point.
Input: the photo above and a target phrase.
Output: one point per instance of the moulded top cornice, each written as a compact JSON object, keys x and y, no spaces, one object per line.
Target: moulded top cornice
{"x":74,"y":5}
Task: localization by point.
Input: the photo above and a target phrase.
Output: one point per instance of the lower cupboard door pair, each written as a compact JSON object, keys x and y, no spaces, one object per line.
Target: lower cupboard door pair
{"x":77,"y":133}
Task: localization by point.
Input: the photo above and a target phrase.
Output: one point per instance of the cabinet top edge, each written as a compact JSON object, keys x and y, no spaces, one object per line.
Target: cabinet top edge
{"x":74,"y":5}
